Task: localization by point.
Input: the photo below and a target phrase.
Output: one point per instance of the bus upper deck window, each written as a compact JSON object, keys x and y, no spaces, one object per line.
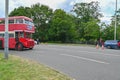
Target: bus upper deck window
{"x":26,"y":22}
{"x":19,"y":20}
{"x":29,"y":22}
{"x":11,"y":21}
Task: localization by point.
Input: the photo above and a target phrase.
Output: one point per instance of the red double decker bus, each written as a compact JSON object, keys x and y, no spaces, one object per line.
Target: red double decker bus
{"x":20,"y":31}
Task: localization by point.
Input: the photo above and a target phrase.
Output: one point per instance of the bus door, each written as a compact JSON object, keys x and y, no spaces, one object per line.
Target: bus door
{"x":17,"y":37}
{"x":11,"y":40}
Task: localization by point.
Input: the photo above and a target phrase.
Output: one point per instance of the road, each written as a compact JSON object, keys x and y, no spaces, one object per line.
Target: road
{"x":78,"y":62}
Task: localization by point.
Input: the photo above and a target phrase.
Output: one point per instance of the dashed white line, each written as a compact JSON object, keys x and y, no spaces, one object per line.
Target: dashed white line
{"x":101,"y":53}
{"x":88,"y":59}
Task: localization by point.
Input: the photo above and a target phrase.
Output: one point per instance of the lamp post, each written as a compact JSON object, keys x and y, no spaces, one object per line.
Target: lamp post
{"x":115,"y":21}
{"x":6,"y":29}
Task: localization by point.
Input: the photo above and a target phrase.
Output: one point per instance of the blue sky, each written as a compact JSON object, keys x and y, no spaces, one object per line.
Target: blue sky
{"x":107,"y":6}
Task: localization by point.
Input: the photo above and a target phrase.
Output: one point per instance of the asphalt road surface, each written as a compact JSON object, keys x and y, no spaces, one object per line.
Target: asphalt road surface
{"x":78,"y":62}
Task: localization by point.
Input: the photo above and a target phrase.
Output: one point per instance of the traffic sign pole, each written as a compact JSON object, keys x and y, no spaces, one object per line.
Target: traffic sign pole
{"x":6,"y":29}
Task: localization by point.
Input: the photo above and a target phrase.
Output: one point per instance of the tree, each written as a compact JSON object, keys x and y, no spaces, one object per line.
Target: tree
{"x":86,"y":11}
{"x":41,"y":15}
{"x":62,"y":27}
{"x":118,"y":24}
{"x":92,"y":30}
{"x":87,"y":19}
{"x":21,"y":11}
{"x":108,"y":33}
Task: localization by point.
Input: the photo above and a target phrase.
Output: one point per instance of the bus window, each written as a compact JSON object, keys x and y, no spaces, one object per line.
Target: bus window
{"x":28,"y":35}
{"x":1,"y":35}
{"x":11,"y":21}
{"x":21,"y":34}
{"x":16,"y":37}
{"x":29,"y":22}
{"x":2,"y":21}
{"x":19,"y":21}
{"x":11,"y":35}
{"x":26,"y":22}
{"x":16,"y":34}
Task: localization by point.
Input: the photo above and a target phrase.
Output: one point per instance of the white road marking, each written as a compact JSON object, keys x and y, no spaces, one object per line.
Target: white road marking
{"x":88,"y":59}
{"x":101,"y":53}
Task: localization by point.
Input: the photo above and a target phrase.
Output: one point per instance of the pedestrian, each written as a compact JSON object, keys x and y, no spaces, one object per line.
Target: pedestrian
{"x":100,"y":43}
{"x":37,"y":41}
{"x":97,"y":44}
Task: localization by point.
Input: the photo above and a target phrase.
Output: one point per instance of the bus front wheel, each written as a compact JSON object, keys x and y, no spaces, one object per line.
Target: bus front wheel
{"x":19,"y":47}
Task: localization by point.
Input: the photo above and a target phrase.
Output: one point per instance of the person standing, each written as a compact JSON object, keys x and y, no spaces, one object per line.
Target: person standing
{"x":37,"y":41}
{"x":100,"y":43}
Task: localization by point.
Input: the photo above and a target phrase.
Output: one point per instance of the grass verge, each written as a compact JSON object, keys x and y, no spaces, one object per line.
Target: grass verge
{"x":70,"y":44}
{"x":16,"y":68}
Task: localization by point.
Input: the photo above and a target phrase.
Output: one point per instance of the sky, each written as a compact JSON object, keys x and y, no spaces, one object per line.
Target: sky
{"x":107,"y":6}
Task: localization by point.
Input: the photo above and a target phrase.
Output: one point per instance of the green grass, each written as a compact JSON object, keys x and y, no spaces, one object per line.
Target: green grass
{"x":70,"y":44}
{"x":16,"y":68}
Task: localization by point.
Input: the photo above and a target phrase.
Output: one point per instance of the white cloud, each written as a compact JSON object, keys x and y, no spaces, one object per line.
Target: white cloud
{"x":72,"y":3}
{"x":2,"y":8}
{"x":51,"y":3}
{"x":54,"y":4}
{"x":107,"y":8}
{"x":106,"y":19}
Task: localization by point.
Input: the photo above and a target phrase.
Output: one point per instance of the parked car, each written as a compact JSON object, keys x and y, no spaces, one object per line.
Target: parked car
{"x":112,"y":44}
